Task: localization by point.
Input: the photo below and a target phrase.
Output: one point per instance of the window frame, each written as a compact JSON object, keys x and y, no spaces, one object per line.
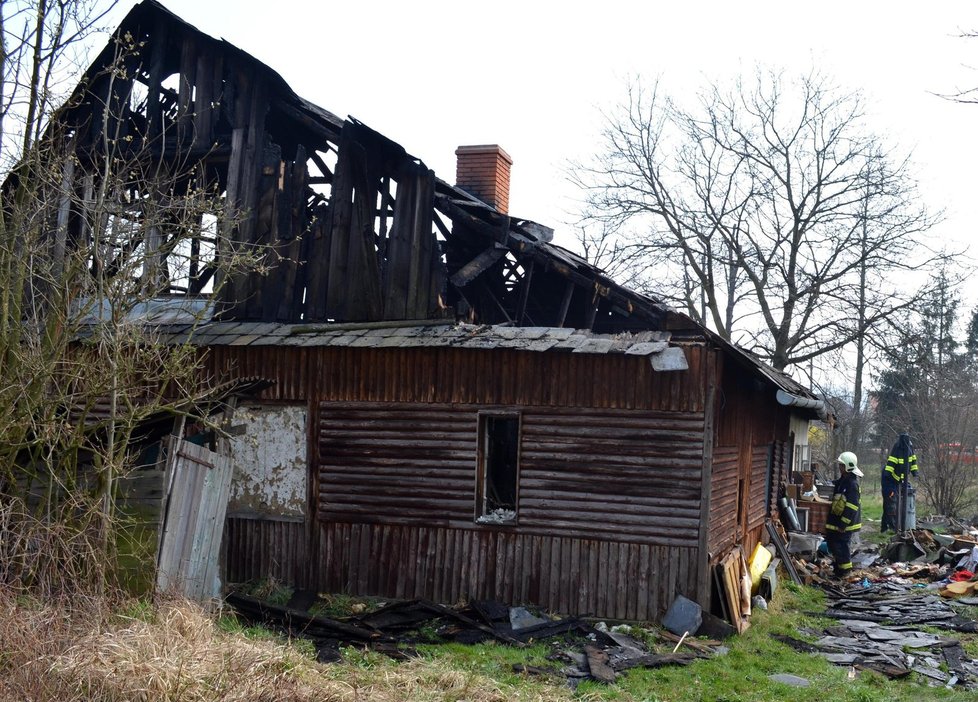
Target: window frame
{"x":480,"y":514}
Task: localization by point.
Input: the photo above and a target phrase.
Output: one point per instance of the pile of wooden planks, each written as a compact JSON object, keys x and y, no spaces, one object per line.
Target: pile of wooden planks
{"x":732,"y":578}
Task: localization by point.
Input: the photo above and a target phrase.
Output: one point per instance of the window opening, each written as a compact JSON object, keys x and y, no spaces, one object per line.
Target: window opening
{"x":499,"y":439}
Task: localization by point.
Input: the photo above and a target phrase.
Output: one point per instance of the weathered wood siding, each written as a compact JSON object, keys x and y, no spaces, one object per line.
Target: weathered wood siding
{"x":608,"y":475}
{"x":463,"y":376}
{"x":757,"y":485}
{"x":609,"y":487}
{"x":260,"y":549}
{"x":748,"y":465}
{"x":723,"y":503}
{"x":603,"y":578}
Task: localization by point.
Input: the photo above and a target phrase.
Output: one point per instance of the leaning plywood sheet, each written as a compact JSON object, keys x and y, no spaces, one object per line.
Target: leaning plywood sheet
{"x":732,"y":570}
{"x":198,"y":482}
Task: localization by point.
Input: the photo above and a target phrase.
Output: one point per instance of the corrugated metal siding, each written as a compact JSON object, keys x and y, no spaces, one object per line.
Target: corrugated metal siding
{"x":289,"y":367}
{"x":439,"y":375}
{"x":601,"y":578}
{"x":632,"y":476}
{"x":258,"y":549}
{"x":723,"y":501}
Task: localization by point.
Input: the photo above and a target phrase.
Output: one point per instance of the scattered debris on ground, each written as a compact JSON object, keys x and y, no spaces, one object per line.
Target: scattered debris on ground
{"x":898,"y":592}
{"x":581,"y":650}
{"x":885,"y":614}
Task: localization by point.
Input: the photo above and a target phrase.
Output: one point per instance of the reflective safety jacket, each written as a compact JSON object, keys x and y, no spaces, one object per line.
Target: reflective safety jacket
{"x":844,"y":514}
{"x":898,"y":467}
{"x":902,"y":461}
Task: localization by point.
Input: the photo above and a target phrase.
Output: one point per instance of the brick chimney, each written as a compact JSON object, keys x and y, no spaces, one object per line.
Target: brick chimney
{"x":483,"y":171}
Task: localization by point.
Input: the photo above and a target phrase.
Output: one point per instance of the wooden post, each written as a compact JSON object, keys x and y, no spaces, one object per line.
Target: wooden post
{"x":592,"y":309}
{"x":710,"y":379}
{"x":565,"y":303}
{"x":525,"y":293}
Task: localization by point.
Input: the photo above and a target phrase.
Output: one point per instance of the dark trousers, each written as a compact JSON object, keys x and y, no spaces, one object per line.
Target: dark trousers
{"x":839,"y":548}
{"x":889,"y":522}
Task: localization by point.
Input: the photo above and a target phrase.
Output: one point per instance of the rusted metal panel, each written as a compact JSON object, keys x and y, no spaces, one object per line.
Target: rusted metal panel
{"x":624,"y":475}
{"x":288,"y":367}
{"x":259,"y":549}
{"x":497,"y":377}
{"x":605,"y":579}
{"x":270,"y":462}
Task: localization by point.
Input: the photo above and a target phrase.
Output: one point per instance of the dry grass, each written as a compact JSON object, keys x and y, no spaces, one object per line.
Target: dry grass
{"x":63,"y":653}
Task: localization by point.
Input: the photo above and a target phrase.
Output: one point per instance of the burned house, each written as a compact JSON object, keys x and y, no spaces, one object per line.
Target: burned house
{"x":458,"y":407}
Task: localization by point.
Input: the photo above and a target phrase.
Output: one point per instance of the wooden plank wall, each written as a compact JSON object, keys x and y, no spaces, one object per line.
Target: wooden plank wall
{"x":606,"y":475}
{"x":262,"y":549}
{"x":749,"y":421}
{"x":196,"y":498}
{"x":463,"y":376}
{"x":609,"y":486}
{"x":571,"y":575}
{"x":723,"y":501}
{"x":757,"y":484}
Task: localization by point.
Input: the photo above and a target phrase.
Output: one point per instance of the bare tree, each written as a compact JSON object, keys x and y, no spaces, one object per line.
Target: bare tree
{"x":96,"y":222}
{"x":769,"y":211}
{"x":42,"y":44}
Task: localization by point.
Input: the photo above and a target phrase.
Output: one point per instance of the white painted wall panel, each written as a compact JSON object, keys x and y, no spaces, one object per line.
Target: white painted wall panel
{"x":270,"y":462}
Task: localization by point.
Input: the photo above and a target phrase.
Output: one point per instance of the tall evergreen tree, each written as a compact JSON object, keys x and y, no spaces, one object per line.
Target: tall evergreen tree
{"x":928,"y":389}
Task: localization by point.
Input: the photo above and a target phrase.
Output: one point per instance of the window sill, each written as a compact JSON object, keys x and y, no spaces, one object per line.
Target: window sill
{"x":499,"y":517}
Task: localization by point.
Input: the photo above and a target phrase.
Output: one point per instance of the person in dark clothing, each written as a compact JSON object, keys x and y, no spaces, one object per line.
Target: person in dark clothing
{"x":845,"y":517}
{"x":889,"y":486}
{"x":901,"y":464}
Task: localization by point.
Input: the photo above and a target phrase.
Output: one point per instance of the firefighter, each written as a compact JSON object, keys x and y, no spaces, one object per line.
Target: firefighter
{"x":844,"y":518}
{"x":889,"y":486}
{"x":900,"y":466}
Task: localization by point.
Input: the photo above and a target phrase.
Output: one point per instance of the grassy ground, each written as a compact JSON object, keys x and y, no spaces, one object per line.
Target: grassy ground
{"x":741,"y":674}
{"x":872,"y":513}
{"x":136,"y":651}
{"x":129,"y":649}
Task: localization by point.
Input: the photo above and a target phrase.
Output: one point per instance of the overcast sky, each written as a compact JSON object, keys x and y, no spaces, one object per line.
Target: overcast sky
{"x":533,"y":76}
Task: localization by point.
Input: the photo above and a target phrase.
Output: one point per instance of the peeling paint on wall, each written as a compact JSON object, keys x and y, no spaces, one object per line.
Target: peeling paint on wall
{"x":269,"y":462}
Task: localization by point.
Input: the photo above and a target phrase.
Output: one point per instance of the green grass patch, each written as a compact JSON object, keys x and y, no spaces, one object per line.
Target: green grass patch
{"x":740,"y":675}
{"x":136,"y":539}
{"x":491,"y":658}
{"x":871,"y":506}
{"x":337,"y":606}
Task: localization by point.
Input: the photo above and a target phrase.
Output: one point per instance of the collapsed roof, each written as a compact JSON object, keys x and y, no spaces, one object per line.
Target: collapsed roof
{"x":347,"y":226}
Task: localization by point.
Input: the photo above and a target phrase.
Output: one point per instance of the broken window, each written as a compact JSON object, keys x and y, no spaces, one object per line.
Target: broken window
{"x":498,"y":474}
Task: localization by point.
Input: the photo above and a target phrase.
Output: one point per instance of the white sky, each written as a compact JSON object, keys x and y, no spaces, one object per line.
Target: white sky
{"x":531,"y":76}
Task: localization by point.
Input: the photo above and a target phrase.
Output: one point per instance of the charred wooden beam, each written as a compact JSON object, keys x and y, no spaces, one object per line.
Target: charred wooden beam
{"x":442,"y":227}
{"x":487,"y":291}
{"x":327,"y":175}
{"x":478,"y":265}
{"x":318,"y":129}
{"x":198,"y":284}
{"x":153,"y":107}
{"x":524,"y":293}
{"x":591,"y":311}
{"x":565,"y":303}
{"x":498,"y":233}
